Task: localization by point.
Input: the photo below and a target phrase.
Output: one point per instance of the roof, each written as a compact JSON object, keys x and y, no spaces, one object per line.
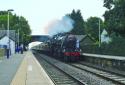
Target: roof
{"x":87,"y":40}
{"x":80,"y":37}
{"x":88,"y":36}
{"x":104,"y":32}
{"x":12,"y":34}
{"x":41,"y":38}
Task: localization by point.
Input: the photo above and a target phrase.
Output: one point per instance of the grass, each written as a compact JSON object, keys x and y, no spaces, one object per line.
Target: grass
{"x":1,"y":53}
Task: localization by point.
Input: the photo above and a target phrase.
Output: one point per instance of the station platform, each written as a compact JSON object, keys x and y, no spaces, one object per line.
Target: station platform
{"x":23,"y":69}
{"x":8,"y":68}
{"x":31,"y":73}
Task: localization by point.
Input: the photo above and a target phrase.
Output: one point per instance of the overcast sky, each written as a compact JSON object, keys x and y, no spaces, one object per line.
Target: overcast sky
{"x":40,"y":12}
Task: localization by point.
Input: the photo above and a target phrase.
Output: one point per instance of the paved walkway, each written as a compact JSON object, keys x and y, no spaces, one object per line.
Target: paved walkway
{"x":8,"y":68}
{"x":31,"y":73}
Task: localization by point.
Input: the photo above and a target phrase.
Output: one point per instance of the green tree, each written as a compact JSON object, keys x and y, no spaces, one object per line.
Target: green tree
{"x":92,"y":27}
{"x":16,"y":23}
{"x":115,"y":16}
{"x":24,"y":29}
{"x":108,"y":4}
{"x":3,"y":19}
{"x":78,"y":22}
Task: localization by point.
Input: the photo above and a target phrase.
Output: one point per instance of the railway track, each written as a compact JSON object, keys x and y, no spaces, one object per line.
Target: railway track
{"x":58,"y":76}
{"x":107,"y":75}
{"x":80,"y":75}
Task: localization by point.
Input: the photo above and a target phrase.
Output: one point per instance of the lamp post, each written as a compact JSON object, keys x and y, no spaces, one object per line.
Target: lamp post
{"x":8,"y":47}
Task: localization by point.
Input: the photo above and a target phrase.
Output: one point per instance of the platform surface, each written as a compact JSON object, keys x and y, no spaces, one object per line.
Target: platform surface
{"x":31,"y":72}
{"x":23,"y":69}
{"x":9,"y":67}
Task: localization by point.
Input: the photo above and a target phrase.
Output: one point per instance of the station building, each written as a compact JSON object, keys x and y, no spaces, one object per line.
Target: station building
{"x":8,"y":41}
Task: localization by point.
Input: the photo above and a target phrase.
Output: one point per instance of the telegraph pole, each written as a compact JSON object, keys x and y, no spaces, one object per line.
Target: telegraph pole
{"x":99,"y":35}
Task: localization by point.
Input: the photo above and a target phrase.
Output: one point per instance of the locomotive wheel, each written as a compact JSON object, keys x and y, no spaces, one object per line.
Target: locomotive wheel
{"x":66,"y":58}
{"x":73,"y":58}
{"x":78,"y":58}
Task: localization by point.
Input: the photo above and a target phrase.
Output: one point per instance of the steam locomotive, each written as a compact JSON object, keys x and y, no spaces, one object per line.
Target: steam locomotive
{"x":62,"y":46}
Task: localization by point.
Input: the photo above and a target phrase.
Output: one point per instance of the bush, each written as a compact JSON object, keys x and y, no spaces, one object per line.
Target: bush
{"x":116,"y":47}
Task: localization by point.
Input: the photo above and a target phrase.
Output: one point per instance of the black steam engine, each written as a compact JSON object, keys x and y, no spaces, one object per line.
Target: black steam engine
{"x":62,"y":46}
{"x":66,"y":47}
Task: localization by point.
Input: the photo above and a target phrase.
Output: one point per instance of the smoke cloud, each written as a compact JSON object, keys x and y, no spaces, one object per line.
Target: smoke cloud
{"x":59,"y":26}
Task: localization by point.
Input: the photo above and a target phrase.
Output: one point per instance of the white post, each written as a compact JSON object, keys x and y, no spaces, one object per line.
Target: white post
{"x":18,"y":37}
{"x":99,"y":35}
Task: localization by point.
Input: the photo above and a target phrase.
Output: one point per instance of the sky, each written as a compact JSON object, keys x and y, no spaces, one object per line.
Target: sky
{"x":40,"y":12}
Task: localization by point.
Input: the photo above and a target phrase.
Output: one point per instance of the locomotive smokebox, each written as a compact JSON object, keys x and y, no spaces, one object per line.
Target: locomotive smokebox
{"x":70,"y":41}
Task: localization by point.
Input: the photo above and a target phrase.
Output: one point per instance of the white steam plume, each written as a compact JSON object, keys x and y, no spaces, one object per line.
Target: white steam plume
{"x":60,"y":26}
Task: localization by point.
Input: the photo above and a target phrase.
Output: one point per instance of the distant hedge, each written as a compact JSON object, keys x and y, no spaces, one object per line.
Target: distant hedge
{"x":116,"y":47}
